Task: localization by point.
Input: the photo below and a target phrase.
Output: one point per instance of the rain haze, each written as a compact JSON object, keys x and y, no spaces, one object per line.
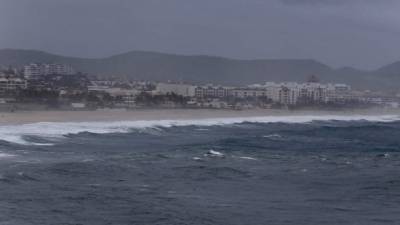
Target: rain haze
{"x":200,"y":112}
{"x":358,"y":33}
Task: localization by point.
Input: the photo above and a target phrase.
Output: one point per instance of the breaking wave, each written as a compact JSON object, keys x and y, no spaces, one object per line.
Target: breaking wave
{"x":18,"y":133}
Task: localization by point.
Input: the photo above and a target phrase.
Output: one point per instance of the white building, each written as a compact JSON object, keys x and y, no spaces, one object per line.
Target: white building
{"x":185,"y":90}
{"x":11,"y":84}
{"x":249,"y":92}
{"x":291,"y":93}
{"x":211,"y":91}
{"x":35,"y":70}
{"x":58,"y":69}
{"x":338,"y":93}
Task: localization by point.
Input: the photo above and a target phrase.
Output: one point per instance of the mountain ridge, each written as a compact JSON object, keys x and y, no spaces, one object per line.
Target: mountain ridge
{"x":150,"y":65}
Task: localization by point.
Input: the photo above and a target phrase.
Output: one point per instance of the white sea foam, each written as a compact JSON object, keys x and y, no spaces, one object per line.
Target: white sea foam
{"x":272,"y":136}
{"x":248,"y":158}
{"x":54,"y":130}
{"x":212,"y":153}
{"x":42,"y":144}
{"x":4,"y":155}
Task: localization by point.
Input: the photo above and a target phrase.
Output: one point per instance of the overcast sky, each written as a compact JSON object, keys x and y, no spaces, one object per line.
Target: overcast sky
{"x":359,"y":33}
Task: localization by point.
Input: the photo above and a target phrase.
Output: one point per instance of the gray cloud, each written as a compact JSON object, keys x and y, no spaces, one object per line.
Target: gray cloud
{"x":335,"y":2}
{"x":360,"y":33}
{"x":313,"y":2}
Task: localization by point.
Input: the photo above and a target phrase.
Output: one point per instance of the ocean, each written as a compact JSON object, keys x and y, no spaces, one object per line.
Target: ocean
{"x":260,"y":170}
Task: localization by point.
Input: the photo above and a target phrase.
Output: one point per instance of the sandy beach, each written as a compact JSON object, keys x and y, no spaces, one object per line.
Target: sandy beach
{"x":24,"y":117}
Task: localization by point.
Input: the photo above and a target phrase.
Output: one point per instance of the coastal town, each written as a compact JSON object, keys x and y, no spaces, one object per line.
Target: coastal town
{"x":59,"y":86}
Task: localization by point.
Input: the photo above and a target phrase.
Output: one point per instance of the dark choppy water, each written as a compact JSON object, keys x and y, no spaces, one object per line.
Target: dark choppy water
{"x":321,"y":172}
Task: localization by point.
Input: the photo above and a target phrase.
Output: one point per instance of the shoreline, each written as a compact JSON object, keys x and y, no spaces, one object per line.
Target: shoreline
{"x":26,"y":117}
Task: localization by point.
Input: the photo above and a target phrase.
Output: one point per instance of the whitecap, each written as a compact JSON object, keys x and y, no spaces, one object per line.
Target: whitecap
{"x":4,"y":155}
{"x":202,"y":129}
{"x":212,"y":153}
{"x":272,"y":136}
{"x":42,"y":144}
{"x":246,"y":157}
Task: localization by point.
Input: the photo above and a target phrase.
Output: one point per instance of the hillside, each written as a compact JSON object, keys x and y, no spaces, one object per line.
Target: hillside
{"x":205,"y":69}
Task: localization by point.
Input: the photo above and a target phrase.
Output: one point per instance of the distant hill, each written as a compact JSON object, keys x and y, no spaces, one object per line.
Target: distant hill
{"x":390,"y":73}
{"x":209,"y":69}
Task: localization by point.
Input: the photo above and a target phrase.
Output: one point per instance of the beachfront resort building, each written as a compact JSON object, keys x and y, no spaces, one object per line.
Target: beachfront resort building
{"x":211,"y":91}
{"x":292,"y":93}
{"x":11,"y":85}
{"x":36,"y":70}
{"x":201,"y":91}
{"x":287,"y":93}
{"x":185,"y":90}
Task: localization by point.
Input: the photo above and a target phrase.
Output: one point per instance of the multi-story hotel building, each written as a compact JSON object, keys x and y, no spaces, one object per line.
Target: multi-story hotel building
{"x":35,"y":70}
{"x":8,"y":85}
